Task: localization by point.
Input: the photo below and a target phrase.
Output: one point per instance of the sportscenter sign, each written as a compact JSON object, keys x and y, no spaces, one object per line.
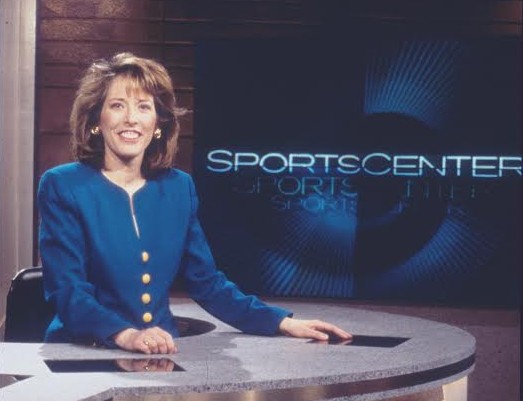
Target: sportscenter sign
{"x":374,"y":164}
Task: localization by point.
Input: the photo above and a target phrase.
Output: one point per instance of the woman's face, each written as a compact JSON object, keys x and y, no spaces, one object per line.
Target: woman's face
{"x":127,"y":122}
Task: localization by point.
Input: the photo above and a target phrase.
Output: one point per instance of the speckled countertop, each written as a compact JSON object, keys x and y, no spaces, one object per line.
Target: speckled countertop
{"x":225,"y":360}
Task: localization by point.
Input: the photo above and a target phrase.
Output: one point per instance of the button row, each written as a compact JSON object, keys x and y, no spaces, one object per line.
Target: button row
{"x":147,"y":317}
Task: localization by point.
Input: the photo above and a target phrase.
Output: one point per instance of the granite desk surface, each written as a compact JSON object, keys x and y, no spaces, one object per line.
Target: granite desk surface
{"x":227,"y":361}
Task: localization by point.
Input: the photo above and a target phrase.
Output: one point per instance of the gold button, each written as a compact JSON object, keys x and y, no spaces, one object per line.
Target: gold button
{"x":147,"y":317}
{"x":145,"y":257}
{"x":146,"y":278}
{"x":146,"y":298}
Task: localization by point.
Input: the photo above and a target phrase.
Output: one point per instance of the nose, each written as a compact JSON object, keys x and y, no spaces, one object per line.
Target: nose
{"x":131,"y":115}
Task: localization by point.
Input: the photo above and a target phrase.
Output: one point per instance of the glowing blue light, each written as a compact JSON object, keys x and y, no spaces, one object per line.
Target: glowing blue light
{"x":415,"y":79}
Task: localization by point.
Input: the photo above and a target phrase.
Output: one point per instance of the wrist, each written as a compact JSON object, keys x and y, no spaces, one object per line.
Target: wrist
{"x":283,"y":327}
{"x":122,"y":336}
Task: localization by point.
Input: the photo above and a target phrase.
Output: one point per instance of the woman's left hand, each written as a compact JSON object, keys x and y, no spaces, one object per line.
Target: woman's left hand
{"x":315,"y":329}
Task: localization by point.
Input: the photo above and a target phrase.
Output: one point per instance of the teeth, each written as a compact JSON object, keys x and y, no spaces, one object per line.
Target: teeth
{"x":129,"y":134}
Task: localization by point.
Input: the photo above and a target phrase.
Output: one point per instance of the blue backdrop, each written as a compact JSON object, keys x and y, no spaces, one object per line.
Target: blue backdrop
{"x":373,"y":168}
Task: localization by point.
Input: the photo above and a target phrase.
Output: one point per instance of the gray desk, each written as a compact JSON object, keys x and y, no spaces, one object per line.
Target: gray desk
{"x":224,"y":364}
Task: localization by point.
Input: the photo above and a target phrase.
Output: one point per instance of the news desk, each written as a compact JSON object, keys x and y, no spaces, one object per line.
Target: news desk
{"x":411,"y":359}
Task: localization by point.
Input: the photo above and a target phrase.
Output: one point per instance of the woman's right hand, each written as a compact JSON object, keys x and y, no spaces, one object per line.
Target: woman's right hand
{"x":153,"y":340}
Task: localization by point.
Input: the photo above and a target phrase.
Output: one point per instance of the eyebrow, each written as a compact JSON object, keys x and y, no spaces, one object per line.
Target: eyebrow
{"x":121,"y":99}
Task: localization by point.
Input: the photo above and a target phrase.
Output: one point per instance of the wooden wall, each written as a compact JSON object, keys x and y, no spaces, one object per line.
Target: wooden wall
{"x":72,"y":33}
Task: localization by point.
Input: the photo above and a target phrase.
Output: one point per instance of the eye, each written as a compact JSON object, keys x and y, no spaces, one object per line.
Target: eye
{"x":145,"y":106}
{"x":116,"y":105}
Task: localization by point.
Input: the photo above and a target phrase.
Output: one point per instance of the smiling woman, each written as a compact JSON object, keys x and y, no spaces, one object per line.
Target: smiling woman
{"x":127,"y":122}
{"x":124,"y":90}
{"x":118,"y":226}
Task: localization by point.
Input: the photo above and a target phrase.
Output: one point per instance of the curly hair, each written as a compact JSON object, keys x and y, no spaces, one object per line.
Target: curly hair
{"x":142,"y":73}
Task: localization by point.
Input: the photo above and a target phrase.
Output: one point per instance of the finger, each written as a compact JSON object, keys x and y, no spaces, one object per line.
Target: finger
{"x":161,"y":337}
{"x":316,"y":335}
{"x":144,"y":343}
{"x":332,"y":329}
{"x":140,"y":344}
{"x":160,"y":346}
{"x":153,"y":345}
{"x":307,"y":329}
{"x":167,"y":343}
{"x":154,"y":340}
{"x":170,"y":346}
{"x":341,"y":333}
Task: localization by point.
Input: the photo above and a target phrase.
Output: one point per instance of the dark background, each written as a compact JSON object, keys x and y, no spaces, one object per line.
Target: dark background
{"x":407,"y":92}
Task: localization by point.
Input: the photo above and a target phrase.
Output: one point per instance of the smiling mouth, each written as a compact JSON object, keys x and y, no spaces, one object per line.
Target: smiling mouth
{"x":129,"y":135}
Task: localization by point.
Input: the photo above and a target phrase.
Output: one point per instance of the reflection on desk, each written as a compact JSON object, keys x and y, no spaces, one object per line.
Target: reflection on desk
{"x":113,"y":365}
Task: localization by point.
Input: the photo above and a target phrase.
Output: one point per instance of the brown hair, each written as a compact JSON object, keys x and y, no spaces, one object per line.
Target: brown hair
{"x":143,"y":73}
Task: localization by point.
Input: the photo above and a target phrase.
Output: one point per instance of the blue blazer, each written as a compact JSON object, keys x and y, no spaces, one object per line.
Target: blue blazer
{"x":109,"y":259}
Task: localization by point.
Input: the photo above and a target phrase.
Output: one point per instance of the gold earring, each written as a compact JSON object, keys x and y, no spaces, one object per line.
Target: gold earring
{"x":95,"y":130}
{"x":157,"y":133}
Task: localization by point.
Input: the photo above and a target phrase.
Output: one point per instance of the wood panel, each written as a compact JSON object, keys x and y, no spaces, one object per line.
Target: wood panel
{"x":67,"y":52}
{"x":122,"y":9}
{"x":235,"y":10}
{"x":101,"y":30}
{"x":56,"y":151}
{"x":54,"y":107}
{"x":73,"y":33}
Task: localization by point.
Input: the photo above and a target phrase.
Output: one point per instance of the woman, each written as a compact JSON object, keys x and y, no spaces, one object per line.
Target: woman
{"x":119,"y":225}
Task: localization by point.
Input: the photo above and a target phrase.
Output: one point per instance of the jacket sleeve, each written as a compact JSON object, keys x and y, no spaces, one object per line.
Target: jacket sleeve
{"x":220,"y":297}
{"x":63,"y":251}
